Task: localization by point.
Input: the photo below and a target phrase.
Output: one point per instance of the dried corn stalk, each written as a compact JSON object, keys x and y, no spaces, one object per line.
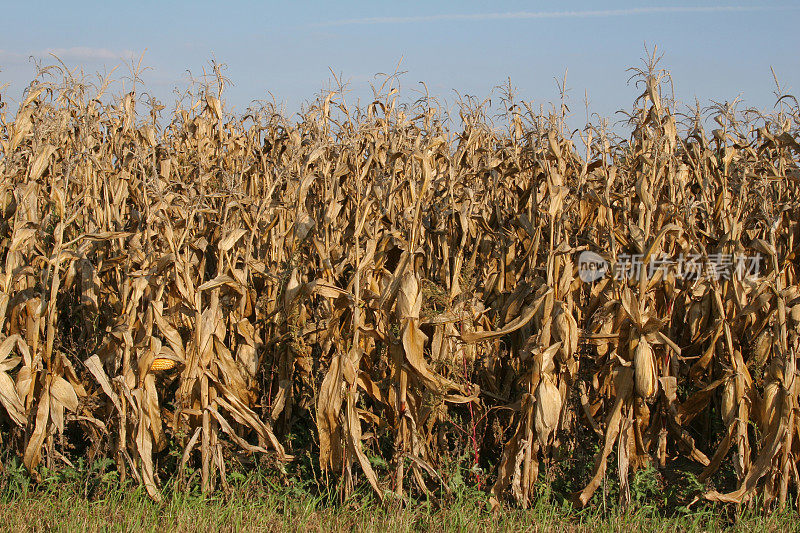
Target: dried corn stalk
{"x":398,"y":290}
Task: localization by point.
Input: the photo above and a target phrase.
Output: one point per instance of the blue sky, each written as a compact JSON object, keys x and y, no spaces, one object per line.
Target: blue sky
{"x":717,"y":50}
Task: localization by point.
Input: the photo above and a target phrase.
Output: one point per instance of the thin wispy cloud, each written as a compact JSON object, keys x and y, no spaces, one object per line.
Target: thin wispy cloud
{"x":75,"y":53}
{"x":7,"y":56}
{"x":88,"y":53}
{"x":522,"y":15}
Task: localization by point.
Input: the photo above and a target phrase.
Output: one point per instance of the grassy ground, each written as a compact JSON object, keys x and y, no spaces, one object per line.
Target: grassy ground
{"x":93,"y":501}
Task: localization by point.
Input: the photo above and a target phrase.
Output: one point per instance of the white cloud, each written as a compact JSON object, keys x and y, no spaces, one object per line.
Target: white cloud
{"x":521,"y":15}
{"x":11,"y":57}
{"x":84,"y":54}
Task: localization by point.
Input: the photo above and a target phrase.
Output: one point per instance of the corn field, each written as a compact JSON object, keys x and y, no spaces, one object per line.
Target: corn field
{"x":393,"y":288}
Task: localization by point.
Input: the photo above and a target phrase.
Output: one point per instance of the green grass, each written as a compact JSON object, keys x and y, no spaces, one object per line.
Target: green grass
{"x":93,"y":499}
